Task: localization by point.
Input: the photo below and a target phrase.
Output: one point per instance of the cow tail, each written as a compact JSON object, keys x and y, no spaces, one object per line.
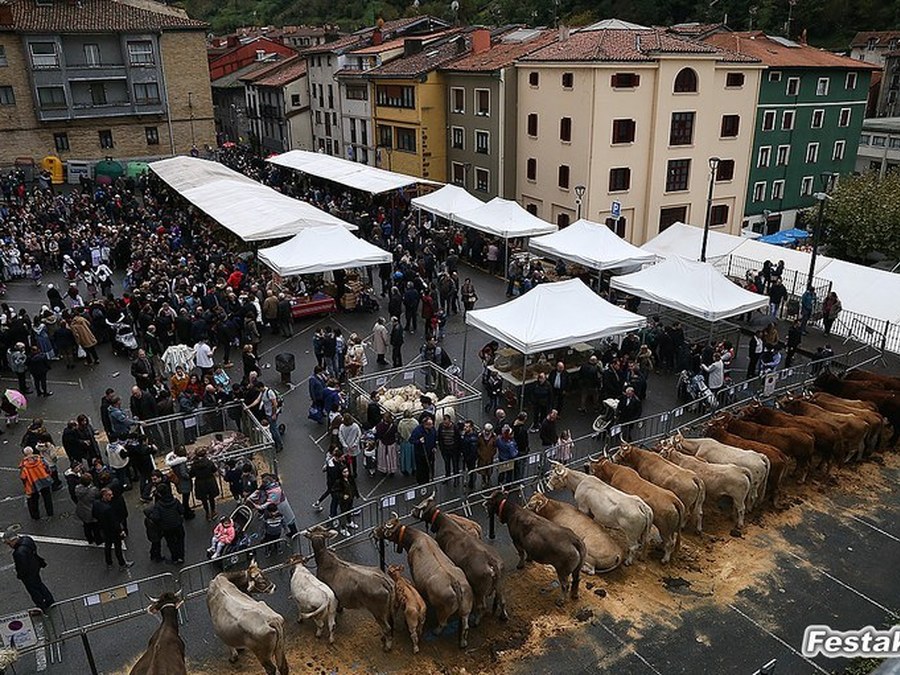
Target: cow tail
{"x":682,"y":521}
{"x":280,"y":654}
{"x":576,"y":573}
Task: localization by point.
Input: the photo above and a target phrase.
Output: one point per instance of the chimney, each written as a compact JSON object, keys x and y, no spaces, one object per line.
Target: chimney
{"x":803,"y":37}
{"x":460,"y":42}
{"x":260,"y":54}
{"x":412,"y":46}
{"x":377,"y":37}
{"x":563,"y":33}
{"x":6,"y":17}
{"x":481,"y":40}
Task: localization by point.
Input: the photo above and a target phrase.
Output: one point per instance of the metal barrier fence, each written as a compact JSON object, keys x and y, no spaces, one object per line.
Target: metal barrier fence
{"x":880,"y":334}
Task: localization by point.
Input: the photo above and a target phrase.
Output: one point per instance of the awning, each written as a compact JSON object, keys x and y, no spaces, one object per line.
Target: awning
{"x":865,"y":290}
{"x":694,"y":288}
{"x":322,"y":249}
{"x":554,"y":315}
{"x":687,"y":240}
{"x":755,"y":250}
{"x":351,"y":174}
{"x":505,"y":219}
{"x":447,"y":202}
{"x":592,"y":245}
{"x":249,"y":209}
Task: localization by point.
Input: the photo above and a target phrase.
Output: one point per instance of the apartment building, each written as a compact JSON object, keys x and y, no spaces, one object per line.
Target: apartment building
{"x":872,"y":46}
{"x":618,"y":112}
{"x":97,"y":78}
{"x":277,"y":100}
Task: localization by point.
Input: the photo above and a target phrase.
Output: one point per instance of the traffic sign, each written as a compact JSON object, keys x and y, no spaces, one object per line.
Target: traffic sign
{"x":616,"y":209}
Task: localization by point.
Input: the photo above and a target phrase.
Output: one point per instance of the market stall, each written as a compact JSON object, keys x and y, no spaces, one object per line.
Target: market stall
{"x":686,"y":241}
{"x":591,"y":245}
{"x":446,"y":202}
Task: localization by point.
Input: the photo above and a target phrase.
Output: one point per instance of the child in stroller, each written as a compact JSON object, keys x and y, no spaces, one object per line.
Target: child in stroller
{"x":223,"y":535}
{"x":240,"y":518}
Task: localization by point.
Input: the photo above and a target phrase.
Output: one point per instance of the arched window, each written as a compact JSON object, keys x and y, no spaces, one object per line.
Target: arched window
{"x":686,"y":81}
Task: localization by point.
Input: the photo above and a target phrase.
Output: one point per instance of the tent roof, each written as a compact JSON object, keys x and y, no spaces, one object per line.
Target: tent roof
{"x":447,"y":202}
{"x":759,"y":252}
{"x":322,"y":249}
{"x":686,"y":241}
{"x":692,"y":287}
{"x":590,"y":244}
{"x":865,"y":290}
{"x":352,"y":174}
{"x":249,"y":209}
{"x":553,"y":315}
{"x":504,"y":218}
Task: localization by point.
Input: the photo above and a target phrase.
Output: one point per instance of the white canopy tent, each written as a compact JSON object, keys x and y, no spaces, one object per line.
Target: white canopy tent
{"x":592,"y":245}
{"x":864,"y":290}
{"x":249,"y":209}
{"x":322,"y":249}
{"x":447,"y":202}
{"x":686,"y":241}
{"x":759,"y":252}
{"x":691,"y":287}
{"x":553,"y":315}
{"x":505,"y":219}
{"x":351,"y":174}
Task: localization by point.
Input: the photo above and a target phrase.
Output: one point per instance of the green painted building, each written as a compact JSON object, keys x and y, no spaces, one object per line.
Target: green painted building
{"x":808,"y":119}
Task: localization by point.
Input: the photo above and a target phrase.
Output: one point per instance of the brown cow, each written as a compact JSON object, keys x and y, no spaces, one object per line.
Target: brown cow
{"x":829,"y":444}
{"x":885,"y":381}
{"x":853,"y":429}
{"x":469,"y":525}
{"x":165,"y":649}
{"x":778,"y":461}
{"x":540,"y":540}
{"x":794,"y":443}
{"x":408,"y":603}
{"x":686,"y":485}
{"x":888,"y":402}
{"x":865,"y":410}
{"x":668,"y":511}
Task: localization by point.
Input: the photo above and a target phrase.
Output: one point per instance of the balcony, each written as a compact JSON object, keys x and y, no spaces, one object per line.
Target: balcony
{"x":95,"y":71}
{"x":80,"y":111}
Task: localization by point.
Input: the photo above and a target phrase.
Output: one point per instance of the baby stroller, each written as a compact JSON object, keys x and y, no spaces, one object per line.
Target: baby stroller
{"x":123,"y":340}
{"x":694,"y":388}
{"x":241,"y":518}
{"x":369,"y":452}
{"x":366,"y":302}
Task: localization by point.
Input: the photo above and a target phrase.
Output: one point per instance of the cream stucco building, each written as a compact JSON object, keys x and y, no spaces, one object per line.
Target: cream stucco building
{"x":633,"y":115}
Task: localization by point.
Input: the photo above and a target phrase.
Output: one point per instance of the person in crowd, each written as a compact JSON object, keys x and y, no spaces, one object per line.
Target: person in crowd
{"x":405,"y":428}
{"x":754,"y":352}
{"x":344,"y":491}
{"x":350,"y":437}
{"x":270,"y":491}
{"x":424,"y":442}
{"x":334,"y":462}
{"x":86,"y":493}
{"x":35,"y":476}
{"x":38,"y":365}
{"x":166,"y":516}
{"x":541,"y":399}
{"x":794,"y":340}
{"x":450,"y":446}
{"x":388,"y":450}
{"x":807,"y":305}
{"x":84,"y":338}
{"x":507,"y":451}
{"x":180,"y":477}
{"x":630,"y":409}
{"x":111,"y":526}
{"x":380,"y":340}
{"x":396,"y":339}
{"x":28,"y":564}
{"x":273,"y":528}
{"x":548,"y":432}
{"x":206,"y":486}
{"x":487,"y":452}
{"x":223,"y":535}
{"x":831,"y":308}
{"x":16,"y":359}
{"x":121,"y":423}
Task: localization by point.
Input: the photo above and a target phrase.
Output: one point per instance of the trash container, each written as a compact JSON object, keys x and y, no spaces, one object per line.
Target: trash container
{"x":284,"y":364}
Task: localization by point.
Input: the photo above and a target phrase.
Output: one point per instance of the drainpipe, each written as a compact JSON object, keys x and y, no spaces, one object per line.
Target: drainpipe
{"x":162,"y":72}
{"x":501,"y":138}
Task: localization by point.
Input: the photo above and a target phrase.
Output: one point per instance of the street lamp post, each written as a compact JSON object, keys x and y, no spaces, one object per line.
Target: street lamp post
{"x":713,"y":165}
{"x":821,"y":197}
{"x":579,"y":196}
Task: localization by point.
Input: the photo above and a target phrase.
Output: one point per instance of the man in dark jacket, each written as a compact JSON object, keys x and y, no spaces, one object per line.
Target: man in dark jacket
{"x":285,"y":318}
{"x":28,"y":568}
{"x":630,"y":409}
{"x":424,"y":440}
{"x":142,"y":370}
{"x":109,"y":521}
{"x":38,"y":366}
{"x":541,"y":395}
{"x":450,"y":445}
{"x":142,"y":404}
{"x":168,"y":515}
{"x":411,"y":306}
{"x":396,"y":342}
{"x":559,"y":383}
{"x":105,"y":403}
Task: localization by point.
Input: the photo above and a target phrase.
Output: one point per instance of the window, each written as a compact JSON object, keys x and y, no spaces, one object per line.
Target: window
{"x":625,"y":80}
{"x":152,"y":135}
{"x":777,"y":189}
{"x":457,"y":99}
{"x":850,"y":81}
{"x":864,"y":139}
{"x":718,"y":215}
{"x":91,"y":54}
{"x":357,"y":92}
{"x":822,"y":86}
{"x":106,"y":139}
{"x":532,"y":124}
{"x":818,"y":118}
{"x":764,"y":156}
{"x":783,"y":156}
{"x":98,"y":93}
{"x":565,"y":129}
{"x":146,"y":92}
{"x":568,"y":80}
{"x":617,"y":225}
{"x":793,"y":86}
{"x":562,"y":220}
{"x":734,"y":80}
{"x":3,"y":61}
{"x":681,"y":130}
{"x":533,"y":78}
{"x":671,"y":215}
{"x":844,"y":117}
{"x":532,"y":209}
{"x":457,"y":138}
{"x":331,"y":97}
{"x":731,"y":125}
{"x":406,"y":139}
{"x":623,"y":131}
{"x":318,"y":117}
{"x":812,"y":153}
{"x":482,"y":142}
{"x":140,"y":53}
{"x":395,"y":96}
{"x":619,"y":179}
{"x":385,"y":136}
{"x":870,"y":43}
{"x":43,"y":55}
{"x":563,"y":176}
{"x":531,"y":169}
{"x":787,"y":120}
{"x":295,"y":100}
{"x":482,"y":179}
{"x":879,"y":141}
{"x":806,"y":186}
{"x":677,"y":175}
{"x":768,"y":121}
{"x":483,"y":102}
{"x":7,"y":97}
{"x":686,"y":81}
{"x":895,"y":143}
{"x":759,"y":191}
{"x":774,"y":76}
{"x":725,"y":170}
{"x":61,"y":141}
{"x":837,"y":154}
{"x":458,"y":174}
{"x":51,"y":97}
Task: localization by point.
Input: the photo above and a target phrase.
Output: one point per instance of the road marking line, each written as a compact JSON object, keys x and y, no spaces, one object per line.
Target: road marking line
{"x":779,"y":640}
{"x":63,"y":382}
{"x":631,"y":646}
{"x":841,"y":583}
{"x":66,"y":541}
{"x":296,"y":333}
{"x":874,"y":527}
{"x":377,"y":485}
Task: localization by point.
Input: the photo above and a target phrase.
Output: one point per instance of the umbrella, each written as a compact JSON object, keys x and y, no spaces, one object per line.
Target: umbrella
{"x":16,"y":398}
{"x":228,"y":144}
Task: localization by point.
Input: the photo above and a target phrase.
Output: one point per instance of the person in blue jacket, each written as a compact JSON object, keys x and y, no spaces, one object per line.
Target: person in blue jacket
{"x":424,"y":441}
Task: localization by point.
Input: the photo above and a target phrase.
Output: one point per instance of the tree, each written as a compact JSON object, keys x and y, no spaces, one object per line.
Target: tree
{"x":863,"y":215}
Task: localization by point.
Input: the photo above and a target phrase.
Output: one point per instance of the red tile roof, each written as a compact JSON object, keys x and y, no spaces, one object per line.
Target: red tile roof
{"x":628,"y":45}
{"x":432,"y":57}
{"x":882,"y":37}
{"x":362,"y":38}
{"x":265,"y":69}
{"x":290,"y":70}
{"x":98,"y":16}
{"x":500,"y":55}
{"x":779,"y":55}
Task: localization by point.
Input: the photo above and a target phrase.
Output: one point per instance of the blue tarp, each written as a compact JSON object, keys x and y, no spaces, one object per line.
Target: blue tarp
{"x":785,"y":238}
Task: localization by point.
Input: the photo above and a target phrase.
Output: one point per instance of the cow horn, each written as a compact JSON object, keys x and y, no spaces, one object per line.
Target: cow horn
{"x":395,"y":515}
{"x":151,"y":598}
{"x":432,"y":495}
{"x":540,"y":486}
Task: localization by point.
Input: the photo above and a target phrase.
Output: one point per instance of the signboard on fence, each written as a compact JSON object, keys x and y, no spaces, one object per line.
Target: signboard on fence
{"x":769,"y":385}
{"x":18,"y":630}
